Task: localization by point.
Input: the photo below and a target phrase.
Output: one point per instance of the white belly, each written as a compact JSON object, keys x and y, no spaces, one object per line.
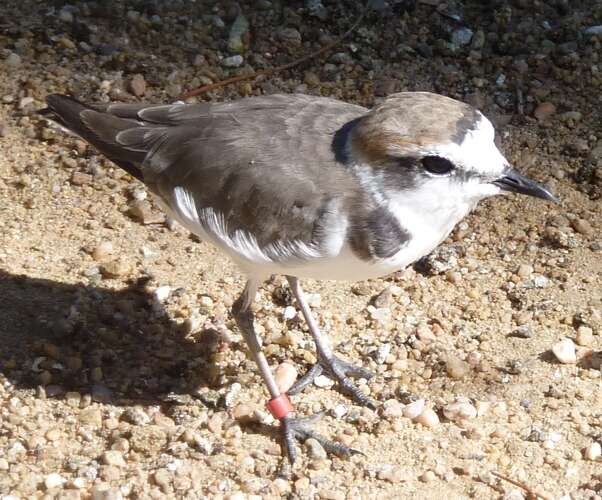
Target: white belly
{"x":344,"y":265}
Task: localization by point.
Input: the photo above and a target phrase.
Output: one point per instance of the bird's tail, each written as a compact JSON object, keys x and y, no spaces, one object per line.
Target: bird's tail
{"x":98,"y":127}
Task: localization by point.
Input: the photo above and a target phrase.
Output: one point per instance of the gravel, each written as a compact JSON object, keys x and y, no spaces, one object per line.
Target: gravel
{"x":122,"y":373}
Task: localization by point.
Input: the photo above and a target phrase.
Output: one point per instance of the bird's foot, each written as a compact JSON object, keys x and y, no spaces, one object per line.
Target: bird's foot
{"x":300,"y":429}
{"x":340,"y":371}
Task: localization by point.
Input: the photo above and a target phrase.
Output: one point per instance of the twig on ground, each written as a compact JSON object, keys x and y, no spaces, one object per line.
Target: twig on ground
{"x":530,"y":491}
{"x":283,"y":67}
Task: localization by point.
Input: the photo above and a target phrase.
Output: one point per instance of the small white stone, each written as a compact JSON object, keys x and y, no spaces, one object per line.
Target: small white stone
{"x":414,"y":409}
{"x":148,"y":252}
{"x":482,"y":407}
{"x":139,"y":194}
{"x":113,"y":457}
{"x":382,"y":314}
{"x":593,"y":452}
{"x":53,"y":480}
{"x":393,"y":408}
{"x":381,"y":354}
{"x":428,"y":418}
{"x":565,"y":352}
{"x":78,"y":482}
{"x":323,"y":381}
{"x":232,"y":61}
{"x":285,"y":376}
{"x":289,"y":312}
{"x":206,"y":303}
{"x":313,"y":299}
{"x":459,"y":410}
{"x":162,"y":293}
{"x":340,"y":410}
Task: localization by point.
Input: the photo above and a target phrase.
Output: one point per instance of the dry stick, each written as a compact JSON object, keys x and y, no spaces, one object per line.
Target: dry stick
{"x":530,"y":491}
{"x":269,"y":72}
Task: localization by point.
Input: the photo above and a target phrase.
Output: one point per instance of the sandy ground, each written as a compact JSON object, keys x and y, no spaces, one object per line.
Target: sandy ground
{"x":122,"y":374}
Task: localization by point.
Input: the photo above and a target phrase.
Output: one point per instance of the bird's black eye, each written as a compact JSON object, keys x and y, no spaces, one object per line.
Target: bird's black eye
{"x":437,"y":165}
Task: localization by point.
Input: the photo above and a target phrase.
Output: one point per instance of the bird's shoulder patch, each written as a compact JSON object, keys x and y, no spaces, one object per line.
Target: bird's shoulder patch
{"x":377,"y":234}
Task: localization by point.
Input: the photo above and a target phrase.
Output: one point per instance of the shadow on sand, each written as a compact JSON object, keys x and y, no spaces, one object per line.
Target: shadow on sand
{"x":118,"y":345}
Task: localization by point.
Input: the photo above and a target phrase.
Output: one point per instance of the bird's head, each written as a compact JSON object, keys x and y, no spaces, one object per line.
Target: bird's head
{"x":437,"y":149}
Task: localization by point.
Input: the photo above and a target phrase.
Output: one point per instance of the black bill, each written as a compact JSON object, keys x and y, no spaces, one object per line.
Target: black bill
{"x":516,"y":183}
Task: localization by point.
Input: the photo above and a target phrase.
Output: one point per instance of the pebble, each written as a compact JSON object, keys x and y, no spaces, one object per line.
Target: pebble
{"x":568,"y":116}
{"x":114,"y":268}
{"x":243,"y":412}
{"x":91,"y":416}
{"x":315,"y":450}
{"x":316,"y":8}
{"x":582,"y":227}
{"x":593,"y":452}
{"x":162,"y":478}
{"x":237,"y":35}
{"x":289,"y":312}
{"x":53,"y":480}
{"x":461,"y":37}
{"x":565,"y":352}
{"x":290,"y":36}
{"x":414,"y":409}
{"x":26,"y":102}
{"x":205,"y":303}
{"x":393,"y":408}
{"x":593,"y":30}
{"x":382,"y":353}
{"x":585,"y":336}
{"x":311,"y":79}
{"x":13,"y":60}
{"x":232,"y":61}
{"x":524,"y":271}
{"x":459,"y":410}
{"x":313,"y":300}
{"x":102,"y":250}
{"x":162,"y":293}
{"x":113,"y":457}
{"x":380,"y":314}
{"x":544,"y":111}
{"x":428,"y":476}
{"x":141,"y":210}
{"x":383,"y":299}
{"x":136,"y":416}
{"x":81,"y":178}
{"x":394,"y":474}
{"x":428,"y":418}
{"x":285,"y":375}
{"x":523,"y":332}
{"x":323,"y":381}
{"x":456,"y":368}
{"x":137,"y":85}
{"x":340,"y":410}
{"x":104,"y":492}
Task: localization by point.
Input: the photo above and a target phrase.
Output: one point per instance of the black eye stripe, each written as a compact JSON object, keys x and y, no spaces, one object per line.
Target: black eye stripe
{"x":437,"y":165}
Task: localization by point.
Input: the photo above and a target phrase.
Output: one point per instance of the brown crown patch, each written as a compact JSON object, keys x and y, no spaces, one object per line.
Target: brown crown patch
{"x":408,"y":122}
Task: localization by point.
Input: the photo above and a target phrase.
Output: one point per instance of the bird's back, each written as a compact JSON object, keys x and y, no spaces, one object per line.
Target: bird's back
{"x":261,"y":176}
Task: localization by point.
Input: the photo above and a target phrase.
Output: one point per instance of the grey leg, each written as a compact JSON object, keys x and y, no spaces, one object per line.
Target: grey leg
{"x":328,"y":363}
{"x":241,"y":310}
{"x":291,"y":428}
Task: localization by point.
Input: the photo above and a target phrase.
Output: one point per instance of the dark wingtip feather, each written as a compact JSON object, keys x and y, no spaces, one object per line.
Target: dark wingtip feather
{"x":95,"y":126}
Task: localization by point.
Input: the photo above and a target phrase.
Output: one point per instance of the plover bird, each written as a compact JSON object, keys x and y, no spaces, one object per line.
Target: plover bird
{"x":306,"y":187}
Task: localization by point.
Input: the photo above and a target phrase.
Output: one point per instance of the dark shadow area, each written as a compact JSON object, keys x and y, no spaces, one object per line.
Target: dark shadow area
{"x":118,"y":345}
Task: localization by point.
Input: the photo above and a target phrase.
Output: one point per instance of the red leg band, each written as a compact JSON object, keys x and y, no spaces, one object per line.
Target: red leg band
{"x":280,"y":406}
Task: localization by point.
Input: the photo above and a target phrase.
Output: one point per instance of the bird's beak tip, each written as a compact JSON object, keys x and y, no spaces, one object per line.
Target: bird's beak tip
{"x":513,"y":182}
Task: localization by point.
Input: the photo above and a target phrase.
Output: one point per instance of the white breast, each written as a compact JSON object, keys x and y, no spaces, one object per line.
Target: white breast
{"x":427,"y":230}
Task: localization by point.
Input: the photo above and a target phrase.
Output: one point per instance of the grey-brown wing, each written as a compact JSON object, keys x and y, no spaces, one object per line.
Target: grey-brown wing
{"x":267,"y":165}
